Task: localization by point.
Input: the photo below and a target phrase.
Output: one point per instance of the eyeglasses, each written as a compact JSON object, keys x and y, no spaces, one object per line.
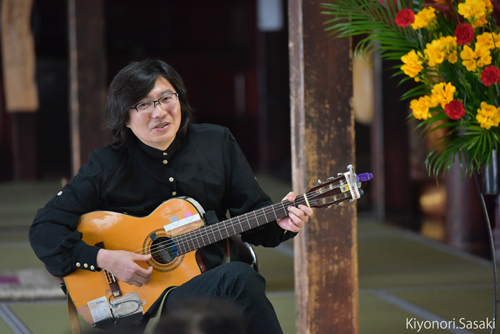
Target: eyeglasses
{"x":148,"y":106}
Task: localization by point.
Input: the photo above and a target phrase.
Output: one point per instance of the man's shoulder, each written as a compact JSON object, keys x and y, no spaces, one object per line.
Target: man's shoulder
{"x":109,"y":153}
{"x":208,"y":132}
{"x":204,"y":128}
{"x":109,"y":149}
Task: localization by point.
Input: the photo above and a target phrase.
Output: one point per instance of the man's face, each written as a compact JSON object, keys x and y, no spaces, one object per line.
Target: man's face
{"x":157,"y":128}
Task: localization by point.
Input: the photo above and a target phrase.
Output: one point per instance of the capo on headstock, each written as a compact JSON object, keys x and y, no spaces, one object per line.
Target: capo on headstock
{"x":336,"y":190}
{"x":354,"y":182}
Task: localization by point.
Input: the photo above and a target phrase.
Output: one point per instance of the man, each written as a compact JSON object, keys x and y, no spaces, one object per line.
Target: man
{"x":159,"y":154}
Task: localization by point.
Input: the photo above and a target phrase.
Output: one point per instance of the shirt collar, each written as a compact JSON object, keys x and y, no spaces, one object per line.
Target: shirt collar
{"x":160,"y":155}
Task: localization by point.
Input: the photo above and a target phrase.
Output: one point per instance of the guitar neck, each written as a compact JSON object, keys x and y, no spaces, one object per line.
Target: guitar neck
{"x":210,"y":234}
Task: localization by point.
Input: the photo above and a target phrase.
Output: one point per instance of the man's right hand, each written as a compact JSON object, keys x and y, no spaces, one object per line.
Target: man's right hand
{"x":123,"y":265}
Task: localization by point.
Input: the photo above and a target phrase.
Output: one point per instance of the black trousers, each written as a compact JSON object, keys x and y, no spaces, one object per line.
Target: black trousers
{"x":239,"y":284}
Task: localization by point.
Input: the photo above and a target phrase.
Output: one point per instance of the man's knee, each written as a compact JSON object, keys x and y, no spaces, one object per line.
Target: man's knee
{"x":242,"y":277}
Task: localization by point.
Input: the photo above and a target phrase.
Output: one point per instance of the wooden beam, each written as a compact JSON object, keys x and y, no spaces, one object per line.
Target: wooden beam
{"x":18,"y":56}
{"x":326,"y":271}
{"x":87,"y":78}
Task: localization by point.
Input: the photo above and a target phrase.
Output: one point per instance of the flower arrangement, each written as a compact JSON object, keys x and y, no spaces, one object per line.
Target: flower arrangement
{"x":451,"y":49}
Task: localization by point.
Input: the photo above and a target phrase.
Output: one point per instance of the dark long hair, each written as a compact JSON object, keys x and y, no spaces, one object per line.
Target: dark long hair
{"x":132,"y":84}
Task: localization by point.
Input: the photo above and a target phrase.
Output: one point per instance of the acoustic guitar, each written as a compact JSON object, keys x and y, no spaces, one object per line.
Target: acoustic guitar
{"x":172,"y":234}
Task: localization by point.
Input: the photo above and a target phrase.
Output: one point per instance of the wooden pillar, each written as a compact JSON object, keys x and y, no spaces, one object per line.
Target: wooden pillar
{"x":87,"y":78}
{"x":326,"y":271}
{"x":19,"y":88}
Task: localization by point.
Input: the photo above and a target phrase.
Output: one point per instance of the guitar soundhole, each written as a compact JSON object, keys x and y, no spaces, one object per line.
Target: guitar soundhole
{"x":163,"y":250}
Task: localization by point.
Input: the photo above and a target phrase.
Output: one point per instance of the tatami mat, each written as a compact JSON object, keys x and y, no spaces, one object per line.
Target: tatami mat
{"x":405,"y":279}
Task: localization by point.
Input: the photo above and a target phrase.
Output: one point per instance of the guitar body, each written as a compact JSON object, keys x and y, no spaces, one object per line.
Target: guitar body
{"x":123,"y":232}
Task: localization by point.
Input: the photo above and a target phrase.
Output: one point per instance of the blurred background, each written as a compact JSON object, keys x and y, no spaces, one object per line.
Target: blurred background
{"x":233,"y":57}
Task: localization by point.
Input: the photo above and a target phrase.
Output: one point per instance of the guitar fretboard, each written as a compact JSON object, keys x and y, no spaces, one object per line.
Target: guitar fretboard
{"x":210,"y":234}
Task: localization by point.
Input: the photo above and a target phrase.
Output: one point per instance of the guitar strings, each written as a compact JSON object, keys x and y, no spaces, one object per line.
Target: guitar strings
{"x":222,"y":226}
{"x":184,"y":240}
{"x":212,"y":230}
{"x":192,"y":236}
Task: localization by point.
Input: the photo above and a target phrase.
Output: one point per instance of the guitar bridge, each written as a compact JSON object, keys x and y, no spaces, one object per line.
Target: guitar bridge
{"x":113,"y":283}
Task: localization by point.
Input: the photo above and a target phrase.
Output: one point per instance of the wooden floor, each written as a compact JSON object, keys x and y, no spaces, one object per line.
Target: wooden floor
{"x":408,"y":284}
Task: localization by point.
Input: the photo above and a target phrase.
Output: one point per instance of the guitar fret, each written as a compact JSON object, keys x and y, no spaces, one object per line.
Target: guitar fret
{"x":275,"y":215}
{"x":220,"y":235}
{"x":201,"y":239}
{"x":284,"y":209}
{"x":241,"y":226}
{"x":213,"y":235}
{"x":265,"y":215}
{"x":257,"y":219}
{"x":192,"y":242}
{"x":223,"y":230}
{"x":198,"y":241}
{"x":248,"y":221}
{"x":232,"y":225}
{"x":206,"y":238}
{"x":181,"y":251}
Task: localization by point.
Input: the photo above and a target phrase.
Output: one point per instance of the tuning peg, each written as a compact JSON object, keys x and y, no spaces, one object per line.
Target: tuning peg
{"x":330,"y":178}
{"x":319,"y":182}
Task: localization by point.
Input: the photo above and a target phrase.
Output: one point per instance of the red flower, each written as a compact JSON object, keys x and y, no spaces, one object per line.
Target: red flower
{"x":405,"y":17}
{"x":455,"y":109}
{"x":490,"y":75}
{"x":464,"y":33}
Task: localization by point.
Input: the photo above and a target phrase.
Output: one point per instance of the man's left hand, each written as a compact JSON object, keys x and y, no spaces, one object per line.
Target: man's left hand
{"x":297,"y":216}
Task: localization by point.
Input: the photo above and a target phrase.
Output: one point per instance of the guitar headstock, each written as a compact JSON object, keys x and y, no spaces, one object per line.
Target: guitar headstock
{"x":336,"y":190}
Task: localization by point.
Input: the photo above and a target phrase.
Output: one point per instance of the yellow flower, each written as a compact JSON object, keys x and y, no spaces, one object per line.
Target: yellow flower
{"x":496,"y":39}
{"x":483,"y":56}
{"x":441,"y":49}
{"x":485,"y":40}
{"x":426,"y":18}
{"x":488,"y":5}
{"x":433,"y":52}
{"x":488,"y":115}
{"x":453,"y":58}
{"x":420,"y":107}
{"x":468,"y":58}
{"x":449,"y":48}
{"x":475,"y":11}
{"x":442,"y":93}
{"x":412,"y":64}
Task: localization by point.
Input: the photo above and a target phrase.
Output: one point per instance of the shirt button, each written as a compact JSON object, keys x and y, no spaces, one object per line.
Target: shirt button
{"x":171,"y":179}
{"x":174,"y":193}
{"x":92,"y":267}
{"x":165,"y":153}
{"x":78,"y":264}
{"x":165,"y":162}
{"x":86,"y":265}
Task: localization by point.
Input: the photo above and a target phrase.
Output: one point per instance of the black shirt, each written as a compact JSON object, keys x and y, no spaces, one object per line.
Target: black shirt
{"x":207,"y":165}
